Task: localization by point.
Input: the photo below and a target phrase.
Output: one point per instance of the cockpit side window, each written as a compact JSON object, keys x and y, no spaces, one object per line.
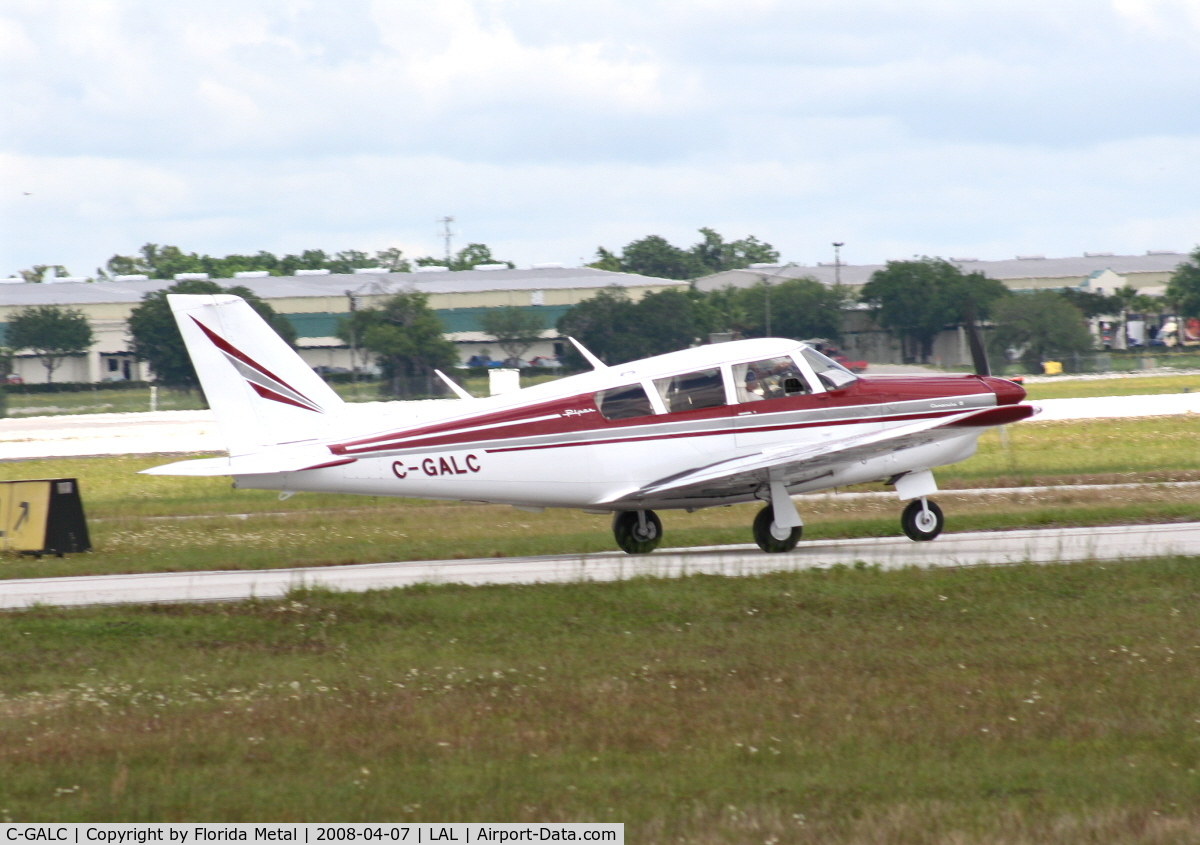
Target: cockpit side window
{"x":691,"y":391}
{"x":773,"y":378}
{"x":622,"y":403}
{"x":832,"y":374}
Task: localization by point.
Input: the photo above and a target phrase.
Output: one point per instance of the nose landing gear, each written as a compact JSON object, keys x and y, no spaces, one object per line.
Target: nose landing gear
{"x":637,"y":532}
{"x":922,"y":519}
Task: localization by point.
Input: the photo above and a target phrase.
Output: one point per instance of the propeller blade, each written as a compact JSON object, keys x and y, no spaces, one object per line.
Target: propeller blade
{"x":975,"y":340}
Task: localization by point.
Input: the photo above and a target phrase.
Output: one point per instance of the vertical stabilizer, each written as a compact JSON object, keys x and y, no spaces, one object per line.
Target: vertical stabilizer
{"x":262,"y":392}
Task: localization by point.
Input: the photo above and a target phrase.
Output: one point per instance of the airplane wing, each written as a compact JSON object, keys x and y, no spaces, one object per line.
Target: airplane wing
{"x":810,"y":459}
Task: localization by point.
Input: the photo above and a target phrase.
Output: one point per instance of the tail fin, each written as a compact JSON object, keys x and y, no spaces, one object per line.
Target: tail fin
{"x":262,"y":392}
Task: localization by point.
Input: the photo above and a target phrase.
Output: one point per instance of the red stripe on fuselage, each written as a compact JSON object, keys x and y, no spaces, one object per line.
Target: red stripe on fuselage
{"x":722,"y":431}
{"x":458,"y":432}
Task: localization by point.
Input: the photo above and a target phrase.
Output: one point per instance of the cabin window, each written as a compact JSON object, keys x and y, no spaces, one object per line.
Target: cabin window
{"x":691,"y":391}
{"x":773,"y":378}
{"x":832,"y":374}
{"x":622,"y":403}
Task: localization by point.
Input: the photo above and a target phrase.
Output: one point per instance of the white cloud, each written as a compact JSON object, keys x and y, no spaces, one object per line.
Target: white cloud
{"x":930,"y":126}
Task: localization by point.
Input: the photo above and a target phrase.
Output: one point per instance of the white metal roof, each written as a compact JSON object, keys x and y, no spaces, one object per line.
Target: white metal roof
{"x":287,"y":287}
{"x":1011,"y":268}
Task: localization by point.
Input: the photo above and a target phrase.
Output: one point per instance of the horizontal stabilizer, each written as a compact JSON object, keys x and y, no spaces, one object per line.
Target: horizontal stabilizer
{"x":263,"y":463}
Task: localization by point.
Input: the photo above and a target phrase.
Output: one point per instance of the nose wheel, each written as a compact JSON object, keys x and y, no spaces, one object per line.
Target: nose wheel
{"x":922,"y":520}
{"x":637,"y":532}
{"x":771,"y":537}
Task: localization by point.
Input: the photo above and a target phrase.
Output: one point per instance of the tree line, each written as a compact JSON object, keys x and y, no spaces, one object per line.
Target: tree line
{"x":651,"y":256}
{"x":913,"y":300}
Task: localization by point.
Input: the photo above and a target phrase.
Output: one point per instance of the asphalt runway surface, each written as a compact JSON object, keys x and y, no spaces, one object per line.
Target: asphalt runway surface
{"x":1044,"y":546}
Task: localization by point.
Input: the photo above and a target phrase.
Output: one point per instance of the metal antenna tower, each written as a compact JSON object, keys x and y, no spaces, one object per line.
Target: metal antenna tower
{"x":837,"y":261}
{"x":447,"y":234}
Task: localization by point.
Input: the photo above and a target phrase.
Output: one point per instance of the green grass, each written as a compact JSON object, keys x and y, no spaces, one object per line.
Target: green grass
{"x":1023,"y":704}
{"x":1135,"y":386}
{"x":136,"y":522}
{"x":100,"y":402}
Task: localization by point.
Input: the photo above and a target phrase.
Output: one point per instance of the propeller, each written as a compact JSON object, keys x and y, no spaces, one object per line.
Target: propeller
{"x":975,"y":340}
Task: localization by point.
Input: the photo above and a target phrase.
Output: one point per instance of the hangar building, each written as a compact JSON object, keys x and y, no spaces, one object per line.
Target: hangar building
{"x":314,"y":301}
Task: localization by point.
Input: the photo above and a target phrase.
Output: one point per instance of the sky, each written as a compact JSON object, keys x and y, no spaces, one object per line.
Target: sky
{"x":981,"y":129}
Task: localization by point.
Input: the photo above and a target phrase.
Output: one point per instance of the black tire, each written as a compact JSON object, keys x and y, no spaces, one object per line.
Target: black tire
{"x":767,"y":541}
{"x":917,"y":525}
{"x":630,"y":537}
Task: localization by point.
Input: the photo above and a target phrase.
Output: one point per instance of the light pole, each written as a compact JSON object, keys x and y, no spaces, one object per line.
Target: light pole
{"x":766,"y":280}
{"x":353,"y":338}
{"x":837,"y":262}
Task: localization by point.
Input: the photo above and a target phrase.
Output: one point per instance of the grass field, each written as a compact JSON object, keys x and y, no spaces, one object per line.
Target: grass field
{"x":1008,"y":705}
{"x":1129,"y":386}
{"x":148,"y":523}
{"x":989,"y":705}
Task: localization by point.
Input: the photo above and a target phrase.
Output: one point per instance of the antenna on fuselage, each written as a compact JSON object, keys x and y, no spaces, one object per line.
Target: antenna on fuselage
{"x":596,"y":363}
{"x":453,"y":385}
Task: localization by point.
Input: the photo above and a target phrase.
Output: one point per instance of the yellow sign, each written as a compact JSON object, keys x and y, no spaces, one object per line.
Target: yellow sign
{"x":42,"y":517}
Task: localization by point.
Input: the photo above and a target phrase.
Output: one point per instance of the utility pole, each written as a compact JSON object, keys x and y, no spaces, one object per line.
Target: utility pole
{"x":837,"y":261}
{"x":353,"y":338}
{"x":766,"y":280}
{"x":446,"y":233}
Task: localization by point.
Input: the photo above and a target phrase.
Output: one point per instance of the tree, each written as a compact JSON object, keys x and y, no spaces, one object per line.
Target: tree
{"x":37,"y":273}
{"x":602,"y":323}
{"x":156,"y":337}
{"x":1040,"y":326}
{"x":655,"y":256}
{"x":6,"y":357}
{"x":51,"y":332}
{"x":715,"y":255}
{"x":799,"y":308}
{"x":1183,"y":289}
{"x":164,"y":262}
{"x":1090,"y":303}
{"x":515,"y":330}
{"x":465,"y":259}
{"x":617,"y":330}
{"x":915,"y":300}
{"x":406,"y":335}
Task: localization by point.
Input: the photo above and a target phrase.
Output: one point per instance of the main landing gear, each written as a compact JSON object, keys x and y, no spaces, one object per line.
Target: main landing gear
{"x":922,"y":519}
{"x":770,"y":536}
{"x":637,"y":532}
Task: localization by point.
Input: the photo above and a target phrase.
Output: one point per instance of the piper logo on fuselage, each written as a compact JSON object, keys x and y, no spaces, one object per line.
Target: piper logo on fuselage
{"x":437,"y":466}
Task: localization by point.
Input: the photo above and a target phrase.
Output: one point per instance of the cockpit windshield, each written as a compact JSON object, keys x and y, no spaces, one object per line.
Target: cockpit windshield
{"x":832,"y":374}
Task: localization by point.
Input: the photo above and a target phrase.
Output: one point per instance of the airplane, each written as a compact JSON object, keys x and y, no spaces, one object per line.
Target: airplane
{"x":719,"y":424}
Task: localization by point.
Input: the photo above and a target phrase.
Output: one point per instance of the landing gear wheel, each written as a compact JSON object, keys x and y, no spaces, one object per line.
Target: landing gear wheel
{"x":635,"y":535}
{"x":920,"y":523}
{"x":771,"y":537}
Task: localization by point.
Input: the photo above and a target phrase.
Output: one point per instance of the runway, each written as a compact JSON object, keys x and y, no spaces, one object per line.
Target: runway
{"x":965,"y":549}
